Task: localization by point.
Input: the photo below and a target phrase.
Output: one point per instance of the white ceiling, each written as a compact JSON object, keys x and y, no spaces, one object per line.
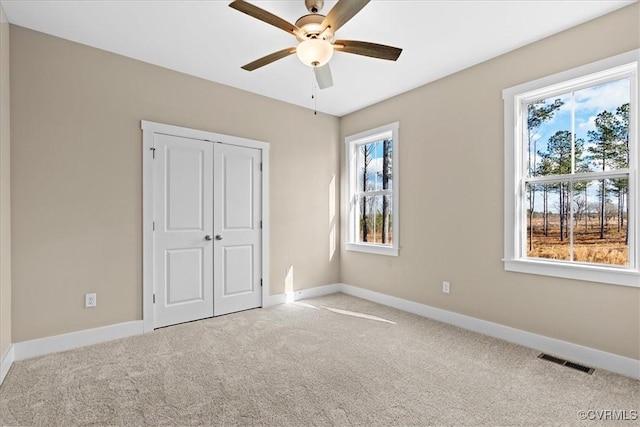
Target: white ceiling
{"x":210,"y":40}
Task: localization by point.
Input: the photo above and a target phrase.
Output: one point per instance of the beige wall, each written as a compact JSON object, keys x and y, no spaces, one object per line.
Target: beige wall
{"x":5,"y":190}
{"x":77,"y":168}
{"x":451,"y":217}
{"x":76,"y":182}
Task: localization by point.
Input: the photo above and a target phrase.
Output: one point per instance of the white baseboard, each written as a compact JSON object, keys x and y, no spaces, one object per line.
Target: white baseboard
{"x":585,"y":355}
{"x":318,"y":291}
{"x":6,"y":362}
{"x":276,"y":300}
{"x":56,"y":343}
{"x":574,"y":352}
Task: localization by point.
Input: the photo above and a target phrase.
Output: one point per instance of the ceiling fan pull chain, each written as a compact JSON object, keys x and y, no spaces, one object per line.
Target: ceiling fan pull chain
{"x":314,"y":93}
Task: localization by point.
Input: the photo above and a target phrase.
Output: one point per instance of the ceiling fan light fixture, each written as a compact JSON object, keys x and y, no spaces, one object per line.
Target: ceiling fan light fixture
{"x":314,"y":52}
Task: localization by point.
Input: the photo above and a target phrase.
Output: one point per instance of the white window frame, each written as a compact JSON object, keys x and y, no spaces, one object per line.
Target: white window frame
{"x":352,"y":142}
{"x":515,"y":100}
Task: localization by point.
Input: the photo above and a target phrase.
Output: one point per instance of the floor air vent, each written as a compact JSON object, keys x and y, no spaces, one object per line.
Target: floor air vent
{"x":566,"y":363}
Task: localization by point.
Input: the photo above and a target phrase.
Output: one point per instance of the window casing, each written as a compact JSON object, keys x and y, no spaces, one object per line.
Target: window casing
{"x":372,"y":191}
{"x":571,"y":173}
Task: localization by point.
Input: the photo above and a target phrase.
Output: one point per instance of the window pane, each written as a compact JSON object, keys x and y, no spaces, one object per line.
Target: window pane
{"x":545,"y":118}
{"x":375,"y":219}
{"x":602,"y":122}
{"x":386,"y":164}
{"x":374,"y":166}
{"x":362,"y":167}
{"x":600,"y":221}
{"x":368,"y":167}
{"x":599,"y":116}
{"x":547,"y":221}
{"x":600,"y":227}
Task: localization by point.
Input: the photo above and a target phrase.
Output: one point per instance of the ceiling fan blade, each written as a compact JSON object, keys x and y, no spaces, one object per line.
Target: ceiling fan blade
{"x":342,"y":12}
{"x":264,"y":16}
{"x":373,"y":50}
{"x":323,"y":76}
{"x":265,"y":60}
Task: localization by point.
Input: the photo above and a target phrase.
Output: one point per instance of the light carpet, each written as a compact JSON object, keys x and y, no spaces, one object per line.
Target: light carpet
{"x":310,"y":363}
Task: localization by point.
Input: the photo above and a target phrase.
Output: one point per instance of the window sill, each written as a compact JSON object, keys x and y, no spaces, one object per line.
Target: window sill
{"x":589,"y":273}
{"x":371,"y":249}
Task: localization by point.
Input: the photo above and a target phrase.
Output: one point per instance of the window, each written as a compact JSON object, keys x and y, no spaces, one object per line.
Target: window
{"x":372,"y":171}
{"x":571,"y":173}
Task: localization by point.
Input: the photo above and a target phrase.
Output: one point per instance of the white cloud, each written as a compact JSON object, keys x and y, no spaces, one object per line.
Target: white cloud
{"x":376,"y":164}
{"x":607,"y":96}
{"x":587,"y":125}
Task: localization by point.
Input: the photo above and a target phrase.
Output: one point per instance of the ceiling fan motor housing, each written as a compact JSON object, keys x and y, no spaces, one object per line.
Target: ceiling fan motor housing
{"x":311,"y":26}
{"x":314,"y":6}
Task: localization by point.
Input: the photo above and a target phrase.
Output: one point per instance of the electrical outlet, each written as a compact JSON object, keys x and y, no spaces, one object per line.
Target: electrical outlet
{"x":446,"y":287}
{"x":89,"y":300}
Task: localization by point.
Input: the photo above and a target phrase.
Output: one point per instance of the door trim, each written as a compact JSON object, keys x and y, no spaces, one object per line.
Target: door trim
{"x":149,"y":129}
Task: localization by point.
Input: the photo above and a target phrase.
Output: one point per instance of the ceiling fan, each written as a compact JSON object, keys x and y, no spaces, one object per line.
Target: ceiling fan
{"x":316,"y":34}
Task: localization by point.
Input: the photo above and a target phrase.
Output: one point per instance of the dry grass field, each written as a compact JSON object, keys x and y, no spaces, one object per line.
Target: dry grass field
{"x":587,"y":245}
{"x":375,"y":236}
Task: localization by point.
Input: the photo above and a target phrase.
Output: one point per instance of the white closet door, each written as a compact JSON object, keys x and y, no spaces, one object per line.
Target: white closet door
{"x":237,"y":214}
{"x":183,"y":264}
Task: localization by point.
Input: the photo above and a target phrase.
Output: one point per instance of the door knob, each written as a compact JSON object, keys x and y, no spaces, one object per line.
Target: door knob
{"x":218,"y":237}
{"x":207,"y":237}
